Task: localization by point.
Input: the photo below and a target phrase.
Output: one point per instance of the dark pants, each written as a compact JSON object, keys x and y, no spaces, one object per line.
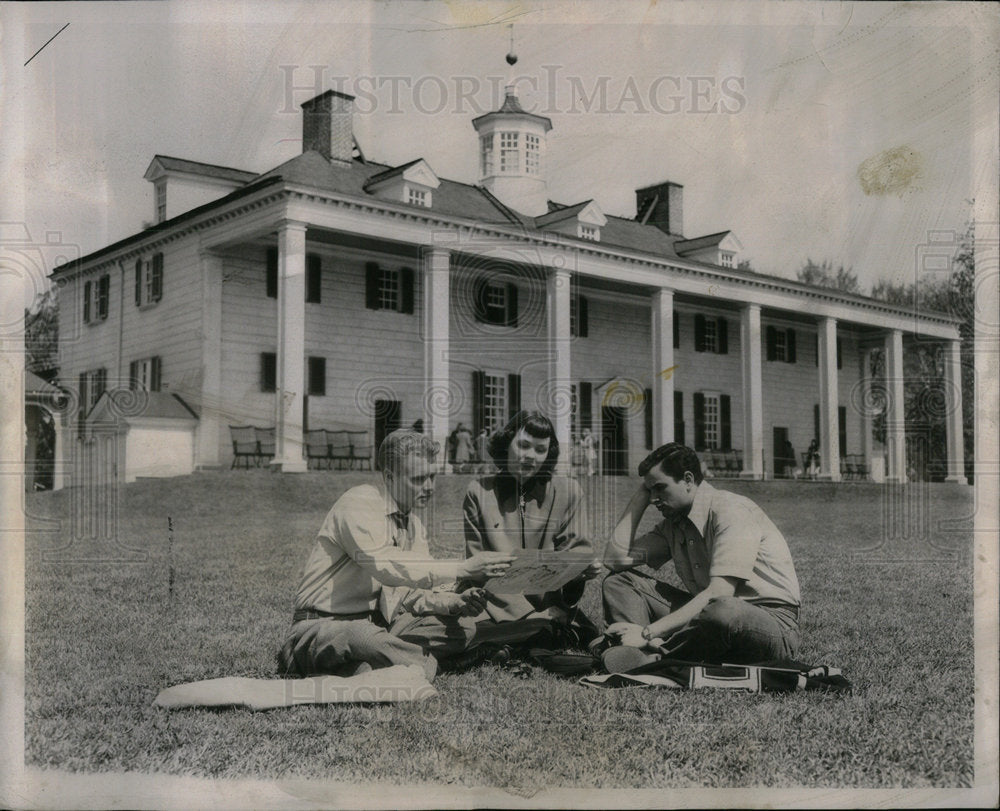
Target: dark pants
{"x":728,"y":629}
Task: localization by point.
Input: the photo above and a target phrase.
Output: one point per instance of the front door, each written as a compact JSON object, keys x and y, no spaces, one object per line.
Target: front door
{"x":614,"y":443}
{"x":387,"y":413}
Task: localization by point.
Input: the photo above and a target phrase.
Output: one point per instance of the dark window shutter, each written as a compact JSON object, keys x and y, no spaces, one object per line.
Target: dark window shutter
{"x":842,"y":430}
{"x":679,"y":417}
{"x":816,"y":422}
{"x":582,"y":327}
{"x":86,"y":301}
{"x":157,"y":276}
{"x":511,"y":306}
{"x":103,"y":294}
{"x":478,"y":400}
{"x":722,"y":330}
{"x":677,"y":330}
{"x":840,"y":357}
{"x":83,"y":397}
{"x":772,"y":343}
{"x":790,"y":346}
{"x":583,"y":404}
{"x":102,"y":382}
{"x":816,"y":348}
{"x":406,"y":290}
{"x":699,"y":421}
{"x":317,"y":376}
{"x":272,"y":273}
{"x":479,"y":305}
{"x":725,"y":421}
{"x":372,"y":277}
{"x":513,"y":395}
{"x":314,"y":278}
{"x":154,"y":373}
{"x":647,"y":410}
{"x":133,"y":375}
{"x":138,"y":282}
{"x":699,"y":333}
{"x":268,"y":371}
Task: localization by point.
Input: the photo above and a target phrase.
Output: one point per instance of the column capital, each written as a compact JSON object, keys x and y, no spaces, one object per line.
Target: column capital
{"x":751,"y":308}
{"x":291,"y":225}
{"x":559,"y":273}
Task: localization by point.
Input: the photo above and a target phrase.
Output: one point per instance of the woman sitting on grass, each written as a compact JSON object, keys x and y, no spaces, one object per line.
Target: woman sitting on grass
{"x":523,"y":506}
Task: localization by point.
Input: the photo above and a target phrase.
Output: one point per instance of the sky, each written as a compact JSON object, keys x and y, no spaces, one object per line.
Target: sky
{"x":764,"y":112}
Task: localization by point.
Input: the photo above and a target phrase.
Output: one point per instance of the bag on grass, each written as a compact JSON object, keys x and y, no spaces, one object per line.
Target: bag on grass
{"x":784,"y":676}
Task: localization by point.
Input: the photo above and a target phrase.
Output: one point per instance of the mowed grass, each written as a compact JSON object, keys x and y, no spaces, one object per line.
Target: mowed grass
{"x":887,"y":590}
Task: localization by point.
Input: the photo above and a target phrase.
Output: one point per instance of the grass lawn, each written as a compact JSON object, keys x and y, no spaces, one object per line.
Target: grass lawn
{"x":109,"y":625}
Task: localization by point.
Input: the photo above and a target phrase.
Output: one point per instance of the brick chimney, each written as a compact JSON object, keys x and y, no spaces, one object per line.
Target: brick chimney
{"x":327,"y":126}
{"x":661,"y":205}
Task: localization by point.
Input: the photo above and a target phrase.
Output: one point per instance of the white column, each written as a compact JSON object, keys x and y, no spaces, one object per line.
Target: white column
{"x":559,"y":394}
{"x":895,"y":417}
{"x":829,"y":433}
{"x":953,"y":421}
{"x":291,"y":348}
{"x":58,"y":452}
{"x":437,"y":391}
{"x":866,"y":414}
{"x":663,"y":362}
{"x":753,"y":413}
{"x":212,"y":409}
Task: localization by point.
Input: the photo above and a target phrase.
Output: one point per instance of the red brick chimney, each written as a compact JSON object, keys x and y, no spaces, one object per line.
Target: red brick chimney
{"x":327,"y":126}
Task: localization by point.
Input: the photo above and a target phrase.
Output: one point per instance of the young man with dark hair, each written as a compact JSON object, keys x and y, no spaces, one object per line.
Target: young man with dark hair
{"x":371,"y":594}
{"x":742,"y":599}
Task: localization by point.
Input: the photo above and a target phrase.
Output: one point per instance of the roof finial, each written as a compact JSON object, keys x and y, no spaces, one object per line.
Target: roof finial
{"x":511,"y":56}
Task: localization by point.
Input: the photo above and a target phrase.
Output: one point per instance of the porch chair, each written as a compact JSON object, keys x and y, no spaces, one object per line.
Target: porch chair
{"x":861,"y":467}
{"x":340,"y":448}
{"x":734,"y":463}
{"x":317,"y":448}
{"x":849,"y":466}
{"x":265,"y":444}
{"x":361,"y":449}
{"x":244,"y":445}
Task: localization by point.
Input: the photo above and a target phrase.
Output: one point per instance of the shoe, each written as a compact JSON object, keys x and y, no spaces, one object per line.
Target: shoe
{"x":623,"y":658}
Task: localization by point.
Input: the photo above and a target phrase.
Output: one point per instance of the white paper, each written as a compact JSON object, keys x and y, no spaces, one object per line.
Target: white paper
{"x":536,"y":572}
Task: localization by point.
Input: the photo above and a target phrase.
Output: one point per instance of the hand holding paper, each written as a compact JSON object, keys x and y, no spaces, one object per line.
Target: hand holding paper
{"x":535,"y":572}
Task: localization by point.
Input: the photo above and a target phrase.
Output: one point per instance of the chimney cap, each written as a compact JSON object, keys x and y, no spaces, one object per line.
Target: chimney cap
{"x":660,"y":185}
{"x":329,"y":93}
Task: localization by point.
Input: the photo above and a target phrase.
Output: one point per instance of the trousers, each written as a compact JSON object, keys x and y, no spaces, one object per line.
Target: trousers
{"x":342,"y":647}
{"x":728,"y":629}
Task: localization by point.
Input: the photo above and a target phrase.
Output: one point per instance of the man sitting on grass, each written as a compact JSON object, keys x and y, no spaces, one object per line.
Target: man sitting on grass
{"x":742,"y":598}
{"x":371,"y":595}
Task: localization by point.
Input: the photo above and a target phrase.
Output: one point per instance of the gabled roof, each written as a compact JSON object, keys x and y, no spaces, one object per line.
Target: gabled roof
{"x":34,"y":385}
{"x":158,"y":404}
{"x":168,"y":164}
{"x":684,"y":246}
{"x":416,"y":171}
{"x":588,"y":212}
{"x":511,"y":108}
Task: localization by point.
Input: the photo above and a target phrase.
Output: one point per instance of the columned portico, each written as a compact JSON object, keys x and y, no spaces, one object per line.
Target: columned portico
{"x":291,"y":348}
{"x":753,"y":409}
{"x":895,"y":417}
{"x":437,"y":392}
{"x":210,"y":398}
{"x":953,"y":419}
{"x":557,"y":301}
{"x":829,"y":438}
{"x":663,"y":366}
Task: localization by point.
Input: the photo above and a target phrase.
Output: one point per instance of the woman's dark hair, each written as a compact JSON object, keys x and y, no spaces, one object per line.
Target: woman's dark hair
{"x":535,"y":424}
{"x":674,"y":460}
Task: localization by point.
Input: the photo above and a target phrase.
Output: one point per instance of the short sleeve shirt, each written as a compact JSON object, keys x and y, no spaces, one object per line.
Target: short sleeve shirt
{"x":725,"y":535}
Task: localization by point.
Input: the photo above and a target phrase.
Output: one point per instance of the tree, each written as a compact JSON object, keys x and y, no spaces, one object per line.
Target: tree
{"x":823,"y":275}
{"x":744,"y":264}
{"x":41,"y":335}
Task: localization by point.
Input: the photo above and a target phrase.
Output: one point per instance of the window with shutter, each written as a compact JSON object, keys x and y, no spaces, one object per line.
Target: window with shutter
{"x":406,"y":284}
{"x":373,"y":275}
{"x":725,"y":422}
{"x":317,"y":376}
{"x":103,"y":296}
{"x":842,"y":430}
{"x":816,"y":422}
{"x":478,"y":401}
{"x":314,"y":278}
{"x":156,"y":285}
{"x":679,"y":417}
{"x":840,"y":356}
{"x":86,"y":301}
{"x":585,"y":399}
{"x":268,"y":371}
{"x":138,"y":282}
{"x":513,"y":395}
{"x":144,"y":374}
{"x":648,"y":417}
{"x":790,"y":346}
{"x":578,"y":326}
{"x":271,"y":273}
{"x":771,"y":341}
{"x":511,"y":316}
{"x":677,"y":330}
{"x":699,"y":333}
{"x":699,"y":421}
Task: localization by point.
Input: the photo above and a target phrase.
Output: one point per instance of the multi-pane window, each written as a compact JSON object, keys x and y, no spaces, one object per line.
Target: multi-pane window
{"x":510,"y":152}
{"x":532,"y":155}
{"x":388,"y":289}
{"x":588,"y":232}
{"x":486,"y":155}
{"x":496,"y":303}
{"x":148,"y":280}
{"x":727,"y":259}
{"x":711,"y":421}
{"x":494,"y":402}
{"x":161,"y":201}
{"x":96,"y":295}
{"x":145,"y":374}
{"x":780,"y":345}
{"x":94,"y":382}
{"x":417,"y":197}
{"x":711,"y":335}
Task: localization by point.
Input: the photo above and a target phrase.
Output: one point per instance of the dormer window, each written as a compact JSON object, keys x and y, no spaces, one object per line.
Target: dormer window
{"x":161,"y":200}
{"x":509,"y":153}
{"x":726,"y":259}
{"x":590,"y":232}
{"x":486,"y":155}
{"x":532,"y":159}
{"x":418,"y":197}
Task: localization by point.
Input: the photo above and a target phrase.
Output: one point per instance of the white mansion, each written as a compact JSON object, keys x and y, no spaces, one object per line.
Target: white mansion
{"x":333,"y":292}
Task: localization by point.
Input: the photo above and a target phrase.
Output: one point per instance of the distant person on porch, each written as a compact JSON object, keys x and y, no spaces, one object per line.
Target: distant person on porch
{"x":371,"y":596}
{"x":525,"y":506}
{"x":812,"y":459}
{"x":740,"y":601}
{"x":464,"y":449}
{"x":589,"y":453}
{"x":790,"y":461}
{"x":483,"y":452}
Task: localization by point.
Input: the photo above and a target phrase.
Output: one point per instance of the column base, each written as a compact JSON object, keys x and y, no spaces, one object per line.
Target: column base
{"x":752,"y":475}
{"x":957,"y":479}
{"x":288,"y":466}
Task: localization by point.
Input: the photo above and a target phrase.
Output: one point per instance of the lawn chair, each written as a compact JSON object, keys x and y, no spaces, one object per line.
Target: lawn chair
{"x":339,"y":443}
{"x":850,"y":466}
{"x":317,"y":448}
{"x":244,"y":445}
{"x":265,"y":444}
{"x":361,"y":449}
{"x":861,"y":467}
